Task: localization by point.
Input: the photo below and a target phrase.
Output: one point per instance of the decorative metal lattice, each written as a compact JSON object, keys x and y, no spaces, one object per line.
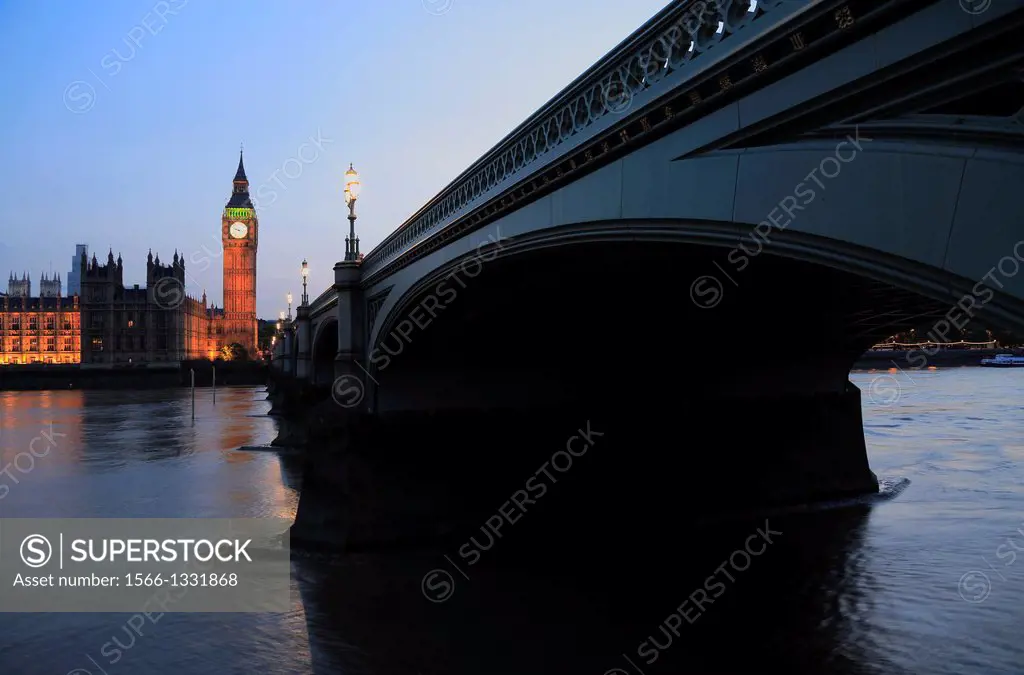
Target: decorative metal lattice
{"x":666,"y":46}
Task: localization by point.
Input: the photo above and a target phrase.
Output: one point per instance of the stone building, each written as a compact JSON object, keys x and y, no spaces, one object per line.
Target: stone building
{"x":45,"y":329}
{"x":49,"y":287}
{"x":19,"y":287}
{"x":239,"y":229}
{"x":155,"y":323}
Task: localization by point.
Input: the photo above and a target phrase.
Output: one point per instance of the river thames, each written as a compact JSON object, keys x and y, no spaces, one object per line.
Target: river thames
{"x":925,"y":579}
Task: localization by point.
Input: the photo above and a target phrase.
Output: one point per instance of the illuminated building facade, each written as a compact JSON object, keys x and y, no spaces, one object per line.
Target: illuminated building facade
{"x":239,"y":238}
{"x":43,"y":329}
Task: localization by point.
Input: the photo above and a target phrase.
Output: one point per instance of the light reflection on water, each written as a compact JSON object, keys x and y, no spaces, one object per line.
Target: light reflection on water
{"x":853,"y":590}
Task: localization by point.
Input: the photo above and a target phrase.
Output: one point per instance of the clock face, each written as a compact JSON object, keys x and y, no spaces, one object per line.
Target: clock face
{"x":238,"y":230}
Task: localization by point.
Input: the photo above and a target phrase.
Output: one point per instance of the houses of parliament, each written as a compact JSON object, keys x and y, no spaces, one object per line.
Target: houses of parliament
{"x":101,"y":322}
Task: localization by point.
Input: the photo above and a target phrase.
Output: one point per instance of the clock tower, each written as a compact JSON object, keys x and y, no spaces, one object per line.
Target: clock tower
{"x":239,"y":236}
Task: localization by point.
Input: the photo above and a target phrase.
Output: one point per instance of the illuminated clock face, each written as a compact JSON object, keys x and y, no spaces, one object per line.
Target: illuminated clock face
{"x":238,"y":230}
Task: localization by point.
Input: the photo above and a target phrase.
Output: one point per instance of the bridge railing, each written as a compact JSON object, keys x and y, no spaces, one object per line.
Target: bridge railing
{"x":677,"y":43}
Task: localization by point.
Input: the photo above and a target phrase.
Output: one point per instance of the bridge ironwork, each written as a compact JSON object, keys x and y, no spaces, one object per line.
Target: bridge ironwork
{"x":679,"y":42}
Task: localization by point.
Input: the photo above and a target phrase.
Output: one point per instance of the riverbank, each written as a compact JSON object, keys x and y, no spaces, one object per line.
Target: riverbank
{"x":37,"y":377}
{"x":918,"y":358}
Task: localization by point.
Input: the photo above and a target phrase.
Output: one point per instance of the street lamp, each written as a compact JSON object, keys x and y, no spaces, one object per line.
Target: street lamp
{"x":305,"y":275}
{"x":289,"y":299}
{"x":351,"y":195}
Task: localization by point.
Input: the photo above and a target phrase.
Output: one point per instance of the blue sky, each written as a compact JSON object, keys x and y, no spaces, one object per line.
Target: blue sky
{"x":122,"y":119}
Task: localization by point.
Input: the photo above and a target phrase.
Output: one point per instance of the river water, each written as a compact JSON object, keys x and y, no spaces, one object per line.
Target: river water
{"x":926,"y":580}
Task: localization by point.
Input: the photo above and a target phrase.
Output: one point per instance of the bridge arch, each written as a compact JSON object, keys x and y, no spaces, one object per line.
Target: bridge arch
{"x":722,"y":244}
{"x":595,"y":321}
{"x":325,"y":347}
{"x":550,"y":306}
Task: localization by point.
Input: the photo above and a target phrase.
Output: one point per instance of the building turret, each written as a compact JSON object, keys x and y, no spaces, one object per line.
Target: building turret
{"x":49,"y":288}
{"x":19,"y":288}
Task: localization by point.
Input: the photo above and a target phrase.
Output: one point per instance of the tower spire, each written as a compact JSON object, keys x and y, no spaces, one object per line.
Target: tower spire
{"x":240,"y":173}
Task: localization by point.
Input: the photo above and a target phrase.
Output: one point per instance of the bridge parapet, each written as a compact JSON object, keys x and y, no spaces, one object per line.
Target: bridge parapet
{"x":682,"y":40}
{"x":323,"y":302}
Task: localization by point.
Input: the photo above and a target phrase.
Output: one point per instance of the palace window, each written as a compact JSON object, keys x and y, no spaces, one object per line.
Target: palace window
{"x":67,"y":323}
{"x":67,"y":345}
{"x":15,"y":345}
{"x":15,"y":322}
{"x":51,"y":322}
{"x":33,"y":344}
{"x":33,"y":322}
{"x":51,"y":344}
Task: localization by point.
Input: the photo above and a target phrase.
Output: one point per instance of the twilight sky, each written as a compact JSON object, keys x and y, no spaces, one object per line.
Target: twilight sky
{"x":122,"y":119}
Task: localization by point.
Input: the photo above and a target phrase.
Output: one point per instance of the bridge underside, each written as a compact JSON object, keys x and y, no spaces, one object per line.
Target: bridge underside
{"x":616,"y":324}
{"x":698,"y":410}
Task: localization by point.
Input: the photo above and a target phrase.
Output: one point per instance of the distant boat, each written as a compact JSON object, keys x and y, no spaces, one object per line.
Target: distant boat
{"x":1004,"y":361}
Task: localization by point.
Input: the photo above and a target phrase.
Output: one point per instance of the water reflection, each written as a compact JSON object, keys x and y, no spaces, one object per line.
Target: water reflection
{"x":530,"y":613}
{"x":845,"y":591}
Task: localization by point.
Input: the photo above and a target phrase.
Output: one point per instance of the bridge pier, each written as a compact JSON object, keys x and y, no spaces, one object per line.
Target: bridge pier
{"x":581,"y":478}
{"x":780,"y":450}
{"x":277,"y":358}
{"x":303,"y":346}
{"x":289,"y":349}
{"x":347,"y":275}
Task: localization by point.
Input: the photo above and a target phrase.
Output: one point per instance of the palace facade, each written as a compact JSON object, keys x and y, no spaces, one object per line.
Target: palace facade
{"x":43,"y":329}
{"x":157,"y":323}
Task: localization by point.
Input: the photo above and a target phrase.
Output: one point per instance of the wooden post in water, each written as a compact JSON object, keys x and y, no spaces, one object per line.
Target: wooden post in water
{"x":215,"y":385}
{"x":193,"y":372}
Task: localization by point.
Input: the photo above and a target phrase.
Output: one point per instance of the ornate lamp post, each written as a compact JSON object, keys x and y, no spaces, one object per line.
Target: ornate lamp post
{"x":351,"y":195}
{"x":289,"y":299}
{"x":305,"y":275}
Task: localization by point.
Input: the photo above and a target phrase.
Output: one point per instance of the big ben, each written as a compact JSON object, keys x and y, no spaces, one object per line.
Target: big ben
{"x":240,"y":237}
